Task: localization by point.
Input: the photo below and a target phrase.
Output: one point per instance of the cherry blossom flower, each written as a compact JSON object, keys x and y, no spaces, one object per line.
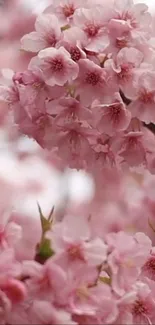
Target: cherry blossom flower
{"x":67,"y":110}
{"x":136,"y":16}
{"x":127,"y":61}
{"x":125,"y":262}
{"x":59,"y":63}
{"x":91,"y":81}
{"x":47,"y":34}
{"x":76,"y":246}
{"x":10,"y":95}
{"x":41,"y":278}
{"x":74,"y":40}
{"x":143,"y":307}
{"x":77,"y":137}
{"x":132,"y":148}
{"x":113,"y":117}
{"x":142,"y":105}
{"x":65,"y":10}
{"x":93,"y":299}
{"x":91,"y":21}
{"x":148,"y":269}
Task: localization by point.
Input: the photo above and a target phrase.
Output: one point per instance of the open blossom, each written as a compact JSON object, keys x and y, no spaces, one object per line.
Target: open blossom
{"x":143,"y":97}
{"x":44,"y":281}
{"x":132,"y":148}
{"x":47,"y":34}
{"x":148,"y":269}
{"x":68,"y":110}
{"x":32,"y":91}
{"x":127,"y":61}
{"x":126,"y":262}
{"x":113,"y":117}
{"x":133,"y":16}
{"x":91,"y":22}
{"x":96,"y":302}
{"x":9,"y":94}
{"x":143,"y":307}
{"x":78,"y":293}
{"x":130,"y":26}
{"x":74,"y":41}
{"x":74,"y":244}
{"x":73,"y":142}
{"x":65,"y":9}
{"x":57,"y":66}
{"x":137,"y":306}
{"x":91,"y":81}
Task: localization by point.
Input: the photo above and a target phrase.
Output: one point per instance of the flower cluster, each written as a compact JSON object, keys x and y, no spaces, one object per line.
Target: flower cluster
{"x":90,"y":84}
{"x":78,"y":247}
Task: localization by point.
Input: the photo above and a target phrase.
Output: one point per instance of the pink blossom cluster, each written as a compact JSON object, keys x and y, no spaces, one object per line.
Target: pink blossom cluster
{"x":90,"y":83}
{"x":86,"y":97}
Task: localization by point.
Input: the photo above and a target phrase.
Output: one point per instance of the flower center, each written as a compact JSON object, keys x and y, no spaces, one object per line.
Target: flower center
{"x":75,"y":53}
{"x":146,"y":97}
{"x":75,"y":253}
{"x":132,"y":142}
{"x":125,"y":73}
{"x":115,"y":111}
{"x":150,"y":265}
{"x":56,"y":65}
{"x":139,"y":308}
{"x":92,"y":78}
{"x":68,"y":10}
{"x":91,"y":29}
{"x":51,"y":39}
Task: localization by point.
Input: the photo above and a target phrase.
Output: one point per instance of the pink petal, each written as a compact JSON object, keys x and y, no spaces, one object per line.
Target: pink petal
{"x":129,"y":55}
{"x":33,"y":42}
{"x":46,"y":24}
{"x":78,"y":229}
